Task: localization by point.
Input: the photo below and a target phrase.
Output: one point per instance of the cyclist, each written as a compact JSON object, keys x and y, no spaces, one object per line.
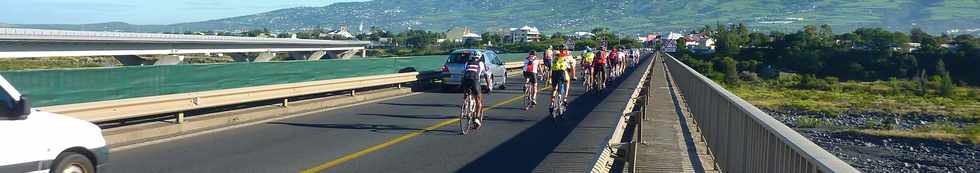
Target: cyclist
{"x":599,"y":67}
{"x":475,"y":68}
{"x":531,"y":67}
{"x":548,"y":57}
{"x":572,"y":62}
{"x":559,"y":75}
{"x":621,"y":61}
{"x":614,"y":62}
{"x":587,"y":64}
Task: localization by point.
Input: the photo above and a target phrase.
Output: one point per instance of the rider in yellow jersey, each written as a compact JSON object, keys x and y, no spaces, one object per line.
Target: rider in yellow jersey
{"x":587,"y":59}
{"x":559,"y":74}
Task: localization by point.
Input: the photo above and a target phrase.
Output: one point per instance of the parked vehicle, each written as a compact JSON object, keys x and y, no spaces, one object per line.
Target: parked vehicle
{"x":38,"y":141}
{"x":452,"y":71}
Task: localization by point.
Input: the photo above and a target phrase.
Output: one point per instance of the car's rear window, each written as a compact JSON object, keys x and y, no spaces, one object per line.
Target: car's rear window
{"x":459,"y":57}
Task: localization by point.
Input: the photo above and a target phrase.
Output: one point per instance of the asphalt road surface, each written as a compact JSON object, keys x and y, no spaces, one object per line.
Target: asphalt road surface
{"x":408,"y":134}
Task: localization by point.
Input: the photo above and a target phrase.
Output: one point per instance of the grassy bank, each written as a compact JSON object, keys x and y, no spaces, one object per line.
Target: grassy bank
{"x":895,"y":96}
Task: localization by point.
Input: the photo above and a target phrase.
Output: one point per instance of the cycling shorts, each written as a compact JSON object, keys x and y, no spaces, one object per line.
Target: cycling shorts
{"x":471,"y":83}
{"x":558,"y":77}
{"x":532,"y":77}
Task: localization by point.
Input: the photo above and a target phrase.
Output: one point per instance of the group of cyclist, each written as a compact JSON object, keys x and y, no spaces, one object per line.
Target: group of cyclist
{"x":597,"y":67}
{"x":556,"y":69}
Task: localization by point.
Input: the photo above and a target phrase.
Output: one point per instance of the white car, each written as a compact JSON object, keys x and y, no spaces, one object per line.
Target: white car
{"x":38,"y":141}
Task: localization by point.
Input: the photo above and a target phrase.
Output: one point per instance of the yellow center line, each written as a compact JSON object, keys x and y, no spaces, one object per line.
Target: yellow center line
{"x":399,"y":139}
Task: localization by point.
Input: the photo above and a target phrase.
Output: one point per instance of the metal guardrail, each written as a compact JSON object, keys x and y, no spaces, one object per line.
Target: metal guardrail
{"x":743,"y":138}
{"x":175,"y":103}
{"x":111,"y":110}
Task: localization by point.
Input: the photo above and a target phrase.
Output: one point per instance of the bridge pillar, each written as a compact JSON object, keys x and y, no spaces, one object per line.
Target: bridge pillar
{"x":253,"y":57}
{"x":312,"y":56}
{"x":169,"y":60}
{"x":342,"y":54}
{"x":265,"y":57}
{"x":317,"y":55}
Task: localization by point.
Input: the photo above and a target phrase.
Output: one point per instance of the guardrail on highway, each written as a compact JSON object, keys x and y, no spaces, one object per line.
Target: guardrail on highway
{"x":743,"y":138}
{"x":111,"y":110}
{"x":137,"y":107}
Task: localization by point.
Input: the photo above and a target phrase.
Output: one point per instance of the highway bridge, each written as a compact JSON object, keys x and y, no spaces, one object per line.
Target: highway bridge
{"x":661,"y":116}
{"x":131,"y":48}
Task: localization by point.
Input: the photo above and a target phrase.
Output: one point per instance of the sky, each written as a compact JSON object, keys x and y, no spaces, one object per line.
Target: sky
{"x":142,"y":12}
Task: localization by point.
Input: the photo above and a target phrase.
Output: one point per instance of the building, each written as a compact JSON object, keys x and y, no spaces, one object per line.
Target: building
{"x":699,"y":41}
{"x":674,"y":36}
{"x":343,"y":33}
{"x":471,"y":37}
{"x":462,"y":34}
{"x":524,"y":34}
{"x":583,"y":35}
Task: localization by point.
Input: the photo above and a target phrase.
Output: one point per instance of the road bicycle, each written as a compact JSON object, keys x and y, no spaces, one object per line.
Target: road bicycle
{"x":468,"y":113}
{"x":529,"y":94}
{"x":558,"y":104}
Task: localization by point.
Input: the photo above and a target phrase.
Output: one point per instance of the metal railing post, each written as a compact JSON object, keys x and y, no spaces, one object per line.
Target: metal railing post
{"x":180,"y":118}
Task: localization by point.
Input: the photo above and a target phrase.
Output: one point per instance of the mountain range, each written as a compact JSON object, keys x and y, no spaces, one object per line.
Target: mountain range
{"x":625,"y":16}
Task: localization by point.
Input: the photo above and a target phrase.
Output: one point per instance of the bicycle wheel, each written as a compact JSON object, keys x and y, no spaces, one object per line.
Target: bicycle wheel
{"x":465,"y":115}
{"x":556,"y":104}
{"x":527,"y":96}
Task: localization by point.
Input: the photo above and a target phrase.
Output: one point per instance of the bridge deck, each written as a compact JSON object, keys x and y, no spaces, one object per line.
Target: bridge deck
{"x":404,"y":134}
{"x":667,"y":142}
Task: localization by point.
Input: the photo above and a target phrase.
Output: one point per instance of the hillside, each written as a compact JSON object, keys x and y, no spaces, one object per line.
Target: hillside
{"x":631,"y":16}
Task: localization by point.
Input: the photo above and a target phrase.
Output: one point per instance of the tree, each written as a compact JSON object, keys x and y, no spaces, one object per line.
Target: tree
{"x":727,"y":43}
{"x":729,"y":67}
{"x":919,"y":36}
{"x":941,"y":67}
{"x":946,"y":86}
{"x":493,"y":37}
{"x":923,"y":83}
{"x":758,"y":40}
{"x":557,"y":36}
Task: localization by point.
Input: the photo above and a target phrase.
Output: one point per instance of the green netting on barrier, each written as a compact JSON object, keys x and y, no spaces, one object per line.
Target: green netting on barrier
{"x":67,"y":86}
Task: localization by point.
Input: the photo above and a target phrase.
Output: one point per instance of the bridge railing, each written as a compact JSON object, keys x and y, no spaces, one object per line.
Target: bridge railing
{"x":130,"y":108}
{"x":741,"y":137}
{"x":44,"y":34}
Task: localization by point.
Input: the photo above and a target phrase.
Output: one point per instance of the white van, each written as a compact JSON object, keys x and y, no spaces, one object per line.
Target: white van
{"x":37,"y":141}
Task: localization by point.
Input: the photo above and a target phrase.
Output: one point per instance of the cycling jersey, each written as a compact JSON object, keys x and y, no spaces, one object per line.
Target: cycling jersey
{"x":588,"y":57}
{"x":612,"y":56}
{"x":531,"y":64}
{"x":475,"y":68}
{"x":601,"y":59}
{"x":549,"y":55}
{"x":621,"y":57}
{"x":560,"y":63}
